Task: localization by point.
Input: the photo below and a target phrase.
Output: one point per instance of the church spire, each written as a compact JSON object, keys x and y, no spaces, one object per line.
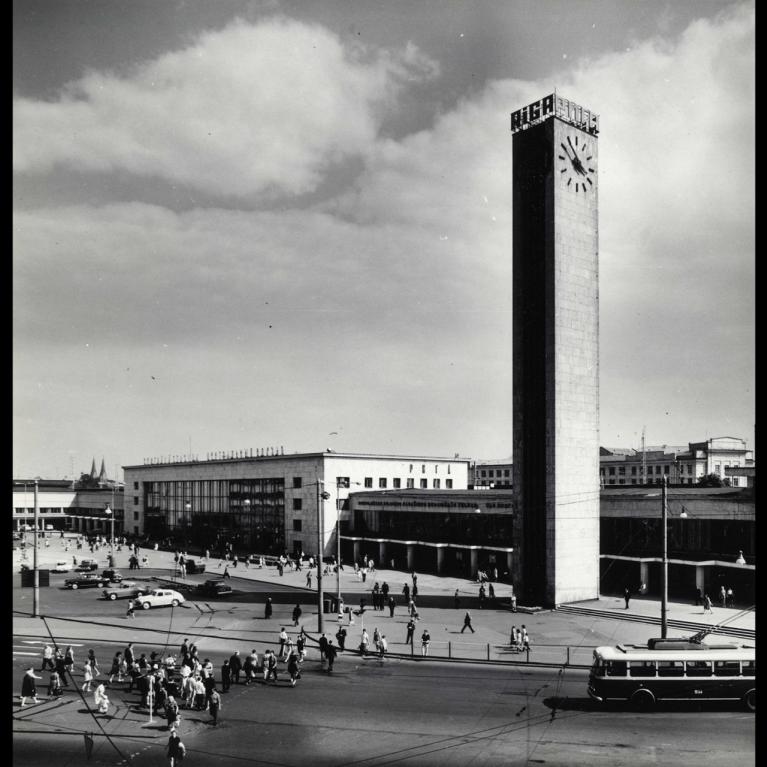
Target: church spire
{"x":93,"y":469}
{"x":103,"y":472}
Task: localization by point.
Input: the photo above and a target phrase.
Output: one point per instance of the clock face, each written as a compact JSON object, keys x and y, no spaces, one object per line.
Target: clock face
{"x":576,"y":164}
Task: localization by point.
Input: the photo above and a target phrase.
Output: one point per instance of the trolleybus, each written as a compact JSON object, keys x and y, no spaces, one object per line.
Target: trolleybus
{"x":679,"y":669}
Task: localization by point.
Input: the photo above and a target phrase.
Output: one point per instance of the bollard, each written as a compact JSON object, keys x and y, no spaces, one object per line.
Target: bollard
{"x":528,"y":656}
{"x":488,"y":650}
{"x":568,"y":655}
{"x":411,"y":650}
{"x":449,"y":649}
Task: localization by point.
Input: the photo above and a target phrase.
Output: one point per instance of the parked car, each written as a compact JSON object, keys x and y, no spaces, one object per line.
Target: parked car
{"x":213,"y":588}
{"x":87,"y":565}
{"x":62,"y":566}
{"x":159,"y":598}
{"x":112,"y":575}
{"x":125,"y":590}
{"x":85,"y":581}
{"x":193,"y":567}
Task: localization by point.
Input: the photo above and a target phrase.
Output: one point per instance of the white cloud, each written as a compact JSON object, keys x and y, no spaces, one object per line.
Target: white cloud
{"x":263,"y":109}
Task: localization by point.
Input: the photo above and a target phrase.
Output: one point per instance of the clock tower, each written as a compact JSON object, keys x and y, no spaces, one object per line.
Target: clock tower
{"x":555,"y":352}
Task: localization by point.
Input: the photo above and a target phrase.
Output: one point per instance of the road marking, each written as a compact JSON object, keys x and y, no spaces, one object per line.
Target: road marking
{"x":33,"y":654}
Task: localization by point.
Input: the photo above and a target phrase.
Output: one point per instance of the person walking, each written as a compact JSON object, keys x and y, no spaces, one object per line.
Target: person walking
{"x":47,"y":659}
{"x":707,"y":608}
{"x":406,"y":591}
{"x":723,"y":596}
{"x":283,"y":643}
{"x":410,"y":632}
{"x":627,"y":596}
{"x":330,"y":654}
{"x":482,"y":596}
{"x":214,"y":705}
{"x":176,"y":749}
{"x":364,"y":642}
{"x":100,"y":700}
{"x":383,"y":646}
{"x":392,"y":605}
{"x":308,"y":579}
{"x":341,"y":638}
{"x":271,"y":667}
{"x":116,"y":669}
{"x":525,"y":639}
{"x":456,"y":600}
{"x":54,"y":685}
{"x":250,"y":667}
{"x":28,"y":686}
{"x":268,"y":608}
{"x":131,"y":611}
{"x":226,"y":676}
{"x":301,"y":645}
{"x":467,"y":622}
{"x":171,"y":712}
{"x":323,"y":645}
{"x":296,"y":614}
{"x":293,"y":667}
{"x":235,"y":666}
{"x":87,"y":676}
{"x":425,"y":642}
{"x":226,"y":573}
{"x":129,"y":654}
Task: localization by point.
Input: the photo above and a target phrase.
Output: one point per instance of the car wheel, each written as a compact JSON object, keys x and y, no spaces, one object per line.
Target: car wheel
{"x":145,"y":605}
{"x":750,"y":700}
{"x":174,"y":603}
{"x":113,"y":596}
{"x":74,"y":586}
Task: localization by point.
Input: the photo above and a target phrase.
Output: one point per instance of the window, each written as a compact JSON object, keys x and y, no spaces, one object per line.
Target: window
{"x":698,"y":668}
{"x":135,"y":500}
{"x":749,"y":668}
{"x":506,"y":473}
{"x":615,"y":668}
{"x":621,"y":470}
{"x":483,"y":473}
{"x":449,"y":484}
{"x":135,"y":485}
{"x":410,"y":482}
{"x":298,"y":504}
{"x":670,"y":668}
{"x":396,"y":482}
{"x":297,"y":482}
{"x":726,"y":668}
{"x":135,"y":516}
{"x":382,"y":482}
{"x":424,"y":483}
{"x":611,"y":471}
{"x":642,"y":668}
{"x":297,"y":525}
{"x":343,"y":481}
{"x":135,"y":529}
{"x":666,"y":469}
{"x":436,"y":484}
{"x":368,"y":481}
{"x":633,"y":471}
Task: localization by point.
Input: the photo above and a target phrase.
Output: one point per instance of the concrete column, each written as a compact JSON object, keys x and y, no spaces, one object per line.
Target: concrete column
{"x":382,"y":553}
{"x":356,"y":551}
{"x":700,"y":579}
{"x":410,"y":556}
{"x":509,"y":561}
{"x":474,"y":561}
{"x":440,"y":558}
{"x":644,"y":569}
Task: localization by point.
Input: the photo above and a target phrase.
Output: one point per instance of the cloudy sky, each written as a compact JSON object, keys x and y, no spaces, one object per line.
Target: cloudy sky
{"x":248,"y":224}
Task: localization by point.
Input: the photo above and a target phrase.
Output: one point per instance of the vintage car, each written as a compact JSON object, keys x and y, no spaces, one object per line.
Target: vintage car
{"x":112,"y":575}
{"x":125,"y":590}
{"x":213,"y":588}
{"x":85,"y":581}
{"x":87,"y":565}
{"x":159,"y":598}
{"x":62,"y":566}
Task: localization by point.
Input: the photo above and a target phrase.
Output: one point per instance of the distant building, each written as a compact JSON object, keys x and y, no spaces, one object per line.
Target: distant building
{"x":495,"y":475}
{"x":722,"y":456}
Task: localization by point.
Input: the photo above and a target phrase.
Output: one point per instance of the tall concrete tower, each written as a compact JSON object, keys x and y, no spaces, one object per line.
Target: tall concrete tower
{"x":556,"y":352}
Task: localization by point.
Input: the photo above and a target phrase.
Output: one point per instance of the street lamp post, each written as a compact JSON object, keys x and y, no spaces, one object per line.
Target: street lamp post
{"x":321,"y":496}
{"x":664,"y":565}
{"x":111,"y":515}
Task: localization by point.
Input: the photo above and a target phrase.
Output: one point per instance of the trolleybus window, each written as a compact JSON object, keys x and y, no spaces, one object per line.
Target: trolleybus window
{"x":615,"y":667}
{"x":749,"y":668}
{"x":670,"y":668}
{"x":726,"y":668}
{"x":642,"y":668}
{"x":698,"y":668}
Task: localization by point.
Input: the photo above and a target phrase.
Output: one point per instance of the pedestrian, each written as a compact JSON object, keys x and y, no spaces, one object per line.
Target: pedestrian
{"x":214,"y":705}
{"x":94,"y":662}
{"x":100,"y":700}
{"x":61,"y":669}
{"x":171,"y":712}
{"x":698,"y":597}
{"x":456,"y":600}
{"x":47,"y":658}
{"x":364,"y":642}
{"x":341,"y":638}
{"x":707,"y":605}
{"x":490,"y":591}
{"x":226,"y":676}
{"x":293,"y":667}
{"x":129,"y":654}
{"x":176,"y":749}
{"x":131,"y":611}
{"x":385,"y":591}
{"x":235,"y":666}
{"x":283,"y":643}
{"x":525,"y":639}
{"x":308,"y":579}
{"x":268,"y":608}
{"x":296,"y":614}
{"x":467,"y":622}
{"x":330,"y":654}
{"x":730,"y":597}
{"x":250,"y":666}
{"x":481,"y":596}
{"x":382,"y":647}
{"x":87,"y":676}
{"x":410,"y":632}
{"x":271,"y":667}
{"x":226,"y":573}
{"x":323,"y":644}
{"x":627,"y":596}
{"x":513,"y":602}
{"x":199,"y":694}
{"x":723,"y":596}
{"x":28,"y":687}
{"x":116,"y":669}
{"x":425,"y":641}
{"x":54,"y":685}
{"x":414,"y":591}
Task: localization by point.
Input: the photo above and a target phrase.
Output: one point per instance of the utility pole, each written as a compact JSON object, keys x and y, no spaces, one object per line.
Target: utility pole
{"x":322,"y":496}
{"x":36,"y":573}
{"x":664,"y":565}
{"x":644,"y":460}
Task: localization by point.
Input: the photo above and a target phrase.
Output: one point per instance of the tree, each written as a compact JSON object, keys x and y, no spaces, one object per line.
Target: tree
{"x":710,"y":480}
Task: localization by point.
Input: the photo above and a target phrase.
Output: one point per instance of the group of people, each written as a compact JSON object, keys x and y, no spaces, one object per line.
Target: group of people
{"x":519,"y":639}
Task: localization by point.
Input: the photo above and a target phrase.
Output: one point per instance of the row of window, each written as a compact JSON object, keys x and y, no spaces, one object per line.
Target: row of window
{"x":489,"y":472}
{"x":651,"y":668}
{"x":383,"y":483}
